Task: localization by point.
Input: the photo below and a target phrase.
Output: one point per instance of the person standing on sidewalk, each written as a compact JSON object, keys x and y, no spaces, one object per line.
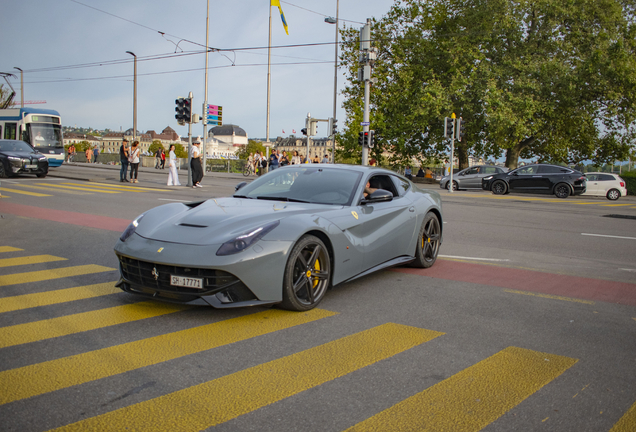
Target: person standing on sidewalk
{"x":134,"y":162}
{"x":157,"y":159}
{"x":173,"y":176}
{"x":71,"y":153}
{"x":88,"y":153}
{"x":195,"y":164}
{"x":123,"y":158}
{"x":95,"y":153}
{"x":163,"y":159}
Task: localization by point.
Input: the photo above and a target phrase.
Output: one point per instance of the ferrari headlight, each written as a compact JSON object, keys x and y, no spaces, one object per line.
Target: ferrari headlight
{"x":488,"y":178}
{"x":245,"y":240}
{"x":131,"y":228}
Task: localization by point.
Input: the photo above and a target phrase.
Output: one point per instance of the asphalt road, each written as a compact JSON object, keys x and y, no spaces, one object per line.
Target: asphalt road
{"x":526,"y":322}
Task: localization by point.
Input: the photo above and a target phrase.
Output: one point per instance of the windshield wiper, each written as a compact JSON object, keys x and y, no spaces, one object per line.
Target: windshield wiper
{"x":275,"y":198}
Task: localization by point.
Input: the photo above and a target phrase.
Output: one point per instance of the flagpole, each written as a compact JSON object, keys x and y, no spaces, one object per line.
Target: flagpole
{"x":269,"y":73}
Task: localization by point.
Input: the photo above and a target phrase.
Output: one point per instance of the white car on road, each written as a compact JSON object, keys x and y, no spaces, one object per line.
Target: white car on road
{"x":608,"y":185}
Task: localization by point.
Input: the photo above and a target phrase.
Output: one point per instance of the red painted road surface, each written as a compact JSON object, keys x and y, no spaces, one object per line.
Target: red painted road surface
{"x":529,"y":280}
{"x":504,"y":277}
{"x":74,"y":218}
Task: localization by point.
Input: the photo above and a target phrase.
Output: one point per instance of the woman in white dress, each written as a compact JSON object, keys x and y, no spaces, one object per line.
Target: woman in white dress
{"x":173,"y":177}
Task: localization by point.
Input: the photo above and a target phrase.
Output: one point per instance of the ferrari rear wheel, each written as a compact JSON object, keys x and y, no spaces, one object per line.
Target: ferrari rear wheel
{"x":428,"y":242}
{"x":307,"y":274}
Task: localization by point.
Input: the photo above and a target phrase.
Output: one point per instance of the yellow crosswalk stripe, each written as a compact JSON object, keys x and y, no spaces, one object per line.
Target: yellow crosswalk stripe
{"x":214,"y":402}
{"x":127,"y":187}
{"x":9,"y":249}
{"x":57,"y":374}
{"x":112,"y":187}
{"x":33,"y":259}
{"x":37,"y":276}
{"x":85,"y":189}
{"x":48,"y":188}
{"x":473,"y":398}
{"x":627,"y":423}
{"x":23,"y":192}
{"x":26,"y":301}
{"x":62,"y":326}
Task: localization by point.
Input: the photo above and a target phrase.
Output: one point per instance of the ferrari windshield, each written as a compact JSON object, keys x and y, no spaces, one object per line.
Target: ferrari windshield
{"x":310,"y":184}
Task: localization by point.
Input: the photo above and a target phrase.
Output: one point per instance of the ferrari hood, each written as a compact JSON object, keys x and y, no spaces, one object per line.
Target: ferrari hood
{"x":217,"y":220}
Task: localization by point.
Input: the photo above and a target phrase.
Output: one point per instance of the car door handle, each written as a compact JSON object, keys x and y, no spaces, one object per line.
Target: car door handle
{"x":411,"y":209}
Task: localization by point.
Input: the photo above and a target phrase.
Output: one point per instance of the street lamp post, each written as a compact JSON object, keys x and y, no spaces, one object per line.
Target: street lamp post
{"x":335,"y":77}
{"x":134,"y":98}
{"x":21,"y":87}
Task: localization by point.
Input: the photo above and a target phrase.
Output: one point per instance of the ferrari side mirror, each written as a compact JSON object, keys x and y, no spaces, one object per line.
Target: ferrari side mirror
{"x":379,"y":195}
{"x":240,"y":185}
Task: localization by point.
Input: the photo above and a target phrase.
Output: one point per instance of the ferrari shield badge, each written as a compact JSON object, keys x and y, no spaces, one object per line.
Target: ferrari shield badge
{"x":160,"y":249}
{"x":355,"y":215}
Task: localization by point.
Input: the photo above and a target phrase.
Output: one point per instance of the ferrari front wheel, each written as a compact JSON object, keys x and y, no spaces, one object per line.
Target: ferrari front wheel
{"x":307,"y":274}
{"x":428,"y":242}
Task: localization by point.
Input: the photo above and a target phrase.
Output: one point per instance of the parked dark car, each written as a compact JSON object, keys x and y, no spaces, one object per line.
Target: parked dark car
{"x":470,"y":178}
{"x":538,"y":179}
{"x":18,"y":157}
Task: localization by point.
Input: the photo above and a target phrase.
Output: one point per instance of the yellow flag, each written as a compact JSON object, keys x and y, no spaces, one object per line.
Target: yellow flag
{"x":282,"y":15}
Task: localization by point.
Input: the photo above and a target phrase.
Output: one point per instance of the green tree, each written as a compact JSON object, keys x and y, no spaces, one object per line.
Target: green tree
{"x":156,"y":145}
{"x":250,"y":148}
{"x":180,"y":151}
{"x":544,"y":79}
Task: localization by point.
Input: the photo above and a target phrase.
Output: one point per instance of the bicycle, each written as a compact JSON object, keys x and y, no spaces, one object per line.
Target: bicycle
{"x":249,"y":170}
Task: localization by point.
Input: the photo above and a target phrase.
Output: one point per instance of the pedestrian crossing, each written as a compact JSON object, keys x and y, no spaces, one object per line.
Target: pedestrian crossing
{"x":468,"y":400}
{"x":48,"y":189}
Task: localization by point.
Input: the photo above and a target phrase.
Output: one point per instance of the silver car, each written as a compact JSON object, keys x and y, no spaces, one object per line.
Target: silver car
{"x":284,"y":238}
{"x":470,"y":178}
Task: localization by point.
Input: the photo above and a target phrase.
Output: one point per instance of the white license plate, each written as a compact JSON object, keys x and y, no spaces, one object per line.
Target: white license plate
{"x":186,"y":282}
{"x":31,"y":166}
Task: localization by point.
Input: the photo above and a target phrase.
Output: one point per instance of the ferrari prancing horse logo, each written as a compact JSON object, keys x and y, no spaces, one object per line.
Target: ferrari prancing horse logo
{"x":355,"y":215}
{"x":155,"y":273}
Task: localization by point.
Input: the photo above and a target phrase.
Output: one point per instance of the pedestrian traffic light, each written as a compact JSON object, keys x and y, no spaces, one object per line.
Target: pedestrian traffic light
{"x":460,"y":129}
{"x":371,"y":138}
{"x":360,"y":138}
{"x":449,"y":127}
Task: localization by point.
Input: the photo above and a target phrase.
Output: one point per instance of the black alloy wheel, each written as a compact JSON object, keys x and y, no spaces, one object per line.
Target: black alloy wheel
{"x":562,"y":190}
{"x":428,"y":242}
{"x":499,"y":187}
{"x":307,"y":274}
{"x":613,"y":194}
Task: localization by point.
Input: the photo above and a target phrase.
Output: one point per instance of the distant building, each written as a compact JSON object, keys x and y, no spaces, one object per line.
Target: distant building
{"x":166,"y":137}
{"x":74,"y":138}
{"x":225,"y":140}
{"x":319,"y":146}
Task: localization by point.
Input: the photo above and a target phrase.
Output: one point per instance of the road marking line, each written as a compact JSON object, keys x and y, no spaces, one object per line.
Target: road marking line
{"x":629,"y":270}
{"x":627,"y":423}
{"x":615,"y":205}
{"x":223,"y":399}
{"x":9,"y":249}
{"x":92,"y":185}
{"x":471,"y":258}
{"x":554,"y":297}
{"x":50,"y":188}
{"x":37,"y":276}
{"x":609,"y":236}
{"x":66,"y":325}
{"x":167,"y":199}
{"x":85,"y":189}
{"x":585,"y":203}
{"x":24,"y":192}
{"x":57,"y":374}
{"x":27,"y":301}
{"x":475,"y":397}
{"x":33,"y":259}
{"x":131,"y":187}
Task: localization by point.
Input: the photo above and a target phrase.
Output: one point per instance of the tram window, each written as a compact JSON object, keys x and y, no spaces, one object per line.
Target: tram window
{"x":9,"y":131}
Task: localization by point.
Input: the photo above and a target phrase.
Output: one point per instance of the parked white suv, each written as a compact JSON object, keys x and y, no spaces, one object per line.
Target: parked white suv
{"x":608,"y":185}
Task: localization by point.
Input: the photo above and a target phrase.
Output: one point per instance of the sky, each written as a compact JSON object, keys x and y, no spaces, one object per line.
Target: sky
{"x":73,"y":54}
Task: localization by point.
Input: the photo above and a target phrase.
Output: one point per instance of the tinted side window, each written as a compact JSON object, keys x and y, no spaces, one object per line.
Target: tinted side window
{"x":591,"y":177}
{"x":528,"y":170}
{"x":605,"y":177}
{"x":383,"y":182}
{"x":401,"y":185}
{"x":471,"y":171}
{"x":490,"y":170}
{"x":550,"y":170}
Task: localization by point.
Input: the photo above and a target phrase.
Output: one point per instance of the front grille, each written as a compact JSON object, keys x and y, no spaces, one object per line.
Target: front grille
{"x":140,"y":273}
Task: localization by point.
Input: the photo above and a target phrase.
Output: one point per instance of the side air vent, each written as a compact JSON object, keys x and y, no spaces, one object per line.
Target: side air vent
{"x":192,"y":225}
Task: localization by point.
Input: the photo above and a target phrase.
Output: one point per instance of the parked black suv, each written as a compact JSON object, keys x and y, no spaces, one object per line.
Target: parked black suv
{"x":537,"y":178}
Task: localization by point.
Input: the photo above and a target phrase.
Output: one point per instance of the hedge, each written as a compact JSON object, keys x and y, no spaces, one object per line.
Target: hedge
{"x":630,"y":180}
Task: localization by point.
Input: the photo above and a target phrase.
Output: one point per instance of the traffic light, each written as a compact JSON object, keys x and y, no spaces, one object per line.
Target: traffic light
{"x":371,"y":139}
{"x":313,"y":128}
{"x":179,"y":111}
{"x":460,"y":129}
{"x":365,"y":138}
{"x":333,"y":126}
{"x":304,"y":131}
{"x":449,"y":127}
{"x":187,"y":110}
{"x":360,"y":138}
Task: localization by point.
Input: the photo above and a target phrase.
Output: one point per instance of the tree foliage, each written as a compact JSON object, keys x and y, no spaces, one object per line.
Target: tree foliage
{"x":251,"y":148}
{"x":156,"y":145}
{"x":542,"y":79}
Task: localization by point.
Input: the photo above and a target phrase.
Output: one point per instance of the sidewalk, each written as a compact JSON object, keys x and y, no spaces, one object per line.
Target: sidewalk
{"x":148,"y":177}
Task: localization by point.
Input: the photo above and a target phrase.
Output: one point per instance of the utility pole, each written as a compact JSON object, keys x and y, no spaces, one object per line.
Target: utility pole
{"x":205,"y":96}
{"x":190,"y":145}
{"x":449,"y":132}
{"x":367,"y":58}
{"x":134,"y":97}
